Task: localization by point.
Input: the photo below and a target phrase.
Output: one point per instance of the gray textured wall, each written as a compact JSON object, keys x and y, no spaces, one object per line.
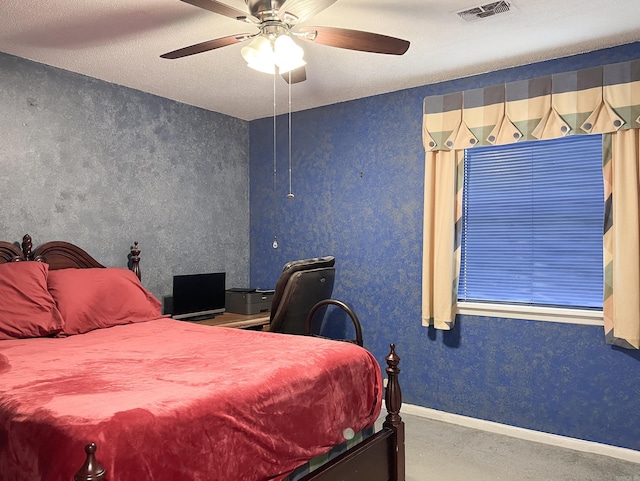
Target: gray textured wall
{"x":102,"y":165}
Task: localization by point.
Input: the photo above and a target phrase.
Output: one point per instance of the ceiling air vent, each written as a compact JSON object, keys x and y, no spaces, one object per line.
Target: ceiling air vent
{"x":483,"y":11}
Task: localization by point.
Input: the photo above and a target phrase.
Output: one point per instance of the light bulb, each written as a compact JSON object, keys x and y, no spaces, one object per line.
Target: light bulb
{"x":287,"y":54}
{"x":259,"y":55}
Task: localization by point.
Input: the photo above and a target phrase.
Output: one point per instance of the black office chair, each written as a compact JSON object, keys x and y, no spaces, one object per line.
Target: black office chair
{"x":301,"y":286}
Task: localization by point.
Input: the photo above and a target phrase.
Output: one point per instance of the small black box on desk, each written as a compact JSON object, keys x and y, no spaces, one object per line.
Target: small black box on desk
{"x":247,"y":301}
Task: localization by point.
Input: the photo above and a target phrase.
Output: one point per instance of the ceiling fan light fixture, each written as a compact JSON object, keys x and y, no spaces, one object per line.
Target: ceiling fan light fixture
{"x":259,"y":55}
{"x":265,"y":55}
{"x":288,"y":55}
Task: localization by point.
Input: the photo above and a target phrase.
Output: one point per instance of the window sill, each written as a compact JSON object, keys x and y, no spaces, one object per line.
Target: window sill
{"x":533,"y":313}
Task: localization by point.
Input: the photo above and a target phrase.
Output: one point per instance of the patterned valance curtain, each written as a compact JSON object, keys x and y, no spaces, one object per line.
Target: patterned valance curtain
{"x":603,"y":100}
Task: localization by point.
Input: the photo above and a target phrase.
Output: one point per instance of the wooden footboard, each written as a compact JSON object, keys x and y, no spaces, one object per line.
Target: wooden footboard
{"x":380,"y":457}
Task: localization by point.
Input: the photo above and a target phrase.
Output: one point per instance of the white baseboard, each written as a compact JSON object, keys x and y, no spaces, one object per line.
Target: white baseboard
{"x":521,"y":433}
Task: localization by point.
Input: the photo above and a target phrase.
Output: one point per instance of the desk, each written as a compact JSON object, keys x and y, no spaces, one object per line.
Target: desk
{"x":229,"y":319}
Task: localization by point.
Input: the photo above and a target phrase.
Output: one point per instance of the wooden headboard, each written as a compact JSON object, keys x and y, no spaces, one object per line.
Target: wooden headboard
{"x":58,"y":254}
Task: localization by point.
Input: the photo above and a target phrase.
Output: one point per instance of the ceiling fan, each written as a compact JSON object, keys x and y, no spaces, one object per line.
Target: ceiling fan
{"x":272,"y":47}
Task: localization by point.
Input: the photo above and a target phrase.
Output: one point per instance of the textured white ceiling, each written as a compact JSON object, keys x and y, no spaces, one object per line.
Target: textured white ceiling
{"x":121,"y":41}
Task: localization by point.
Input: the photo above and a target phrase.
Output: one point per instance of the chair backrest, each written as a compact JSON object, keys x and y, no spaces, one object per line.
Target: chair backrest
{"x":301,"y":286}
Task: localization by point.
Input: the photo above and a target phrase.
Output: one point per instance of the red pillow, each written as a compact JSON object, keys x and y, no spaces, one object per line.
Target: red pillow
{"x":100,"y":297}
{"x":26,"y":307}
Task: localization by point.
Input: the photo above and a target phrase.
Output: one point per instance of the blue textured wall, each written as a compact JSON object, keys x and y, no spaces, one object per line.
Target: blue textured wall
{"x":358,"y":184}
{"x":102,"y":166}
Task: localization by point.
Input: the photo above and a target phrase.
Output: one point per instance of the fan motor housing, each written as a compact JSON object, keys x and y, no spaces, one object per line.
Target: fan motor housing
{"x":264,"y":9}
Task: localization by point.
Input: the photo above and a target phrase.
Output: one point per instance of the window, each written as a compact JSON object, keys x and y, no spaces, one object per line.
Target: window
{"x":533,"y":224}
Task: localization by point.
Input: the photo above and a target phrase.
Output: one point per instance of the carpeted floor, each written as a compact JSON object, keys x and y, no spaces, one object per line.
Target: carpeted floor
{"x":438,"y":451}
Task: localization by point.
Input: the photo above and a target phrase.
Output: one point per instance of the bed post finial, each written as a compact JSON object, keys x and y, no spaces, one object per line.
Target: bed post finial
{"x":26,"y":247}
{"x":135,"y":260}
{"x":393,"y":397}
{"x":91,"y":470}
{"x":393,"y":401}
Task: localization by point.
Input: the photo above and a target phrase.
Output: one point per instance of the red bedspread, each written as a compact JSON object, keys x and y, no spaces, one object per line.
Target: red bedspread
{"x":169,"y":400}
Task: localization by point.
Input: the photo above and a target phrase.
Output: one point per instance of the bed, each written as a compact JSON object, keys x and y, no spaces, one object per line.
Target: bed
{"x":96,"y":384}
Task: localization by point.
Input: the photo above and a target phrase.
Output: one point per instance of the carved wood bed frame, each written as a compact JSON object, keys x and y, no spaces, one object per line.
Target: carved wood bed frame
{"x":381,"y":457}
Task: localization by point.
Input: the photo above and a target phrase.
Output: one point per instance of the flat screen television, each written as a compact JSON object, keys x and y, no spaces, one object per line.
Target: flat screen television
{"x":198,"y":295}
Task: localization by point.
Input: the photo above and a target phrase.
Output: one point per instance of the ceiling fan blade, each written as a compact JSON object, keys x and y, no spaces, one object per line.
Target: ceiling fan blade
{"x":222,"y":9}
{"x":206,"y":46}
{"x":354,"y":40}
{"x":297,"y":75}
{"x":302,"y":9}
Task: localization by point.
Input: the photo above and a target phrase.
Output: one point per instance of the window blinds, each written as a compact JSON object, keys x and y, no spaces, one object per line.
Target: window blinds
{"x":532,"y":223}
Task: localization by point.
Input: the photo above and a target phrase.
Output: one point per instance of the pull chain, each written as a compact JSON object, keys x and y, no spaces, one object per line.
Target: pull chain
{"x":290,"y":194}
{"x":275,"y":196}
